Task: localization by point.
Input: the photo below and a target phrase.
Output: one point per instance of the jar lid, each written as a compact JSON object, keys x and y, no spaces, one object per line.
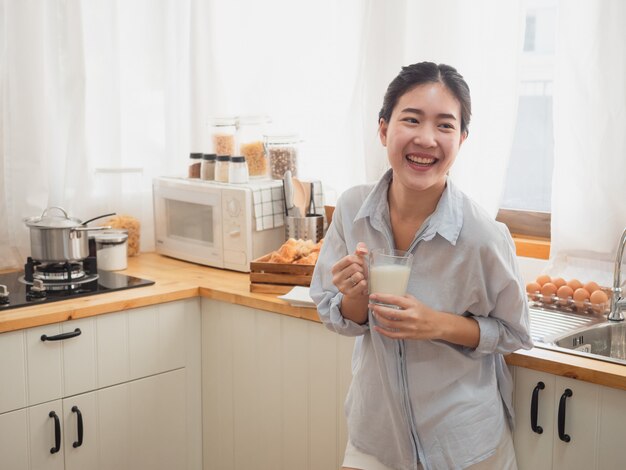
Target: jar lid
{"x":238,"y":159}
{"x":195,"y":155}
{"x":112,"y":237}
{"x":284,"y":138}
{"x":253,"y":119}
{"x":223,"y":158}
{"x":209,"y":156}
{"x":223,"y":121}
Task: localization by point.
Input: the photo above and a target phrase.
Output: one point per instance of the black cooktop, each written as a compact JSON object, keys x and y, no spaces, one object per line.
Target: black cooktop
{"x":21,"y":294}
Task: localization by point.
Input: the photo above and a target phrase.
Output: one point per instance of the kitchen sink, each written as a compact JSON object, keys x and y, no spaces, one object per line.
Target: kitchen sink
{"x":607,"y":340}
{"x":580,"y":335}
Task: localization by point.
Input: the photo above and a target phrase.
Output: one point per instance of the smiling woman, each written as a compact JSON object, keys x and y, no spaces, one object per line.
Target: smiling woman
{"x":435,"y":327}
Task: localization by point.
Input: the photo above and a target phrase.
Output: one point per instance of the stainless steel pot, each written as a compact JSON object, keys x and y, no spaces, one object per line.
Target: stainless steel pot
{"x":56,"y":238}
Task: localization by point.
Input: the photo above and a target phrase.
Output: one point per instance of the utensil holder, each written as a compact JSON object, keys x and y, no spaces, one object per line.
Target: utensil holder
{"x":310,"y":227}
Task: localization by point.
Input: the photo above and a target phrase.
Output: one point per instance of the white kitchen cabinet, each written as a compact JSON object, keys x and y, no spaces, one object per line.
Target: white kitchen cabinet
{"x":273,"y":390}
{"x":592,"y":423}
{"x":146,"y":416}
{"x":612,"y":428}
{"x":45,"y":431}
{"x":14,"y":440}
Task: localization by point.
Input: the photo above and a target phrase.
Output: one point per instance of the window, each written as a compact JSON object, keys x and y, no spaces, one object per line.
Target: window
{"x":526,"y":199}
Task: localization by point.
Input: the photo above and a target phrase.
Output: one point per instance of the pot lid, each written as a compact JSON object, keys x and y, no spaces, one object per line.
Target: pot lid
{"x":46,"y":220}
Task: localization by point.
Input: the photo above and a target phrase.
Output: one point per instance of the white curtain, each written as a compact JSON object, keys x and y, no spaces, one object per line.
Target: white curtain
{"x":94,"y":99}
{"x":100,"y":96}
{"x":589,"y":179}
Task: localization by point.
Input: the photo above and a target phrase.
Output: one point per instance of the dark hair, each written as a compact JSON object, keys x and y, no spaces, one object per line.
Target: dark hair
{"x":418,"y":74}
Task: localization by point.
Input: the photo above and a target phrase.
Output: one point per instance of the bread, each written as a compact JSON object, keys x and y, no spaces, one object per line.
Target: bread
{"x":296,"y":252}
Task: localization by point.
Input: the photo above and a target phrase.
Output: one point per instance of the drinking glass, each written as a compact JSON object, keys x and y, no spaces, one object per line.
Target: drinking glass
{"x":389,"y":272}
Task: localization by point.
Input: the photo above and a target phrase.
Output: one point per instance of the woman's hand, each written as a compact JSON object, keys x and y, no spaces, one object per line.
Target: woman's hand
{"x":350,"y":273}
{"x":415,"y":320}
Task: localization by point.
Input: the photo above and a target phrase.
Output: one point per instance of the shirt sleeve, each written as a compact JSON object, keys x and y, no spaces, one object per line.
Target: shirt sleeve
{"x":323,"y":292}
{"x":506,"y":327}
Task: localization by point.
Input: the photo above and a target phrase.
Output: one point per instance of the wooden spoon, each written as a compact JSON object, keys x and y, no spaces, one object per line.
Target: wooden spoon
{"x":299,"y":196}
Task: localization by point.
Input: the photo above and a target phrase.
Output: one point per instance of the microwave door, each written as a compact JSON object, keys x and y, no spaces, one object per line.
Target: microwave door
{"x":189,"y":225}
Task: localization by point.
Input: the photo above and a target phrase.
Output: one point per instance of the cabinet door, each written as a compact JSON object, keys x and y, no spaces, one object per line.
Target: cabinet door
{"x":80,"y":445}
{"x":158,"y":422}
{"x":612,"y":418}
{"x":14,"y":440}
{"x":532,"y":449}
{"x":581,"y":424}
{"x":42,"y":435}
{"x":114,"y":427}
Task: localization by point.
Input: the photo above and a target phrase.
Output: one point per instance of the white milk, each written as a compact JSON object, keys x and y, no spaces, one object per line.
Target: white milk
{"x":389,"y":279}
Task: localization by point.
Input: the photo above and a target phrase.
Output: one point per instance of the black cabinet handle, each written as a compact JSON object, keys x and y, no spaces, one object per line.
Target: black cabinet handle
{"x":62,"y":336}
{"x":534,"y":404}
{"x":79,"y":422}
{"x":564,"y":437}
{"x":57,"y":433}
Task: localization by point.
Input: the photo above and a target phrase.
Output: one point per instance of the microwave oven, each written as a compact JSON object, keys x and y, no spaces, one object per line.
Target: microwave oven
{"x":218,"y":224}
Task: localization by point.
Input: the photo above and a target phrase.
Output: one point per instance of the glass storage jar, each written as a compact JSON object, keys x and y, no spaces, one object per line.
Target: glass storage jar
{"x":207,"y":171}
{"x":221,"y":168}
{"x":195,"y":161}
{"x":223,"y":132}
{"x":112,"y":250}
{"x":282,"y":150}
{"x":238,"y":170}
{"x":250,"y":130}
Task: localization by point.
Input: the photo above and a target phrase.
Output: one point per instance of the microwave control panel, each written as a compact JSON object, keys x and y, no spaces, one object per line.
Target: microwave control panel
{"x":236,"y":227}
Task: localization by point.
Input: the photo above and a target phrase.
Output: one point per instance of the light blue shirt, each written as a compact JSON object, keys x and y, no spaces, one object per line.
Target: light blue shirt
{"x":432,"y":402}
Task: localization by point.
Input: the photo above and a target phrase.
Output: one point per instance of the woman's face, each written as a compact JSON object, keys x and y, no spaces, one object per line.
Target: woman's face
{"x":423,"y":136}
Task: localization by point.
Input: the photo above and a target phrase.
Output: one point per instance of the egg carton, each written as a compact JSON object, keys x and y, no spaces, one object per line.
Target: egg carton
{"x":568,"y":305}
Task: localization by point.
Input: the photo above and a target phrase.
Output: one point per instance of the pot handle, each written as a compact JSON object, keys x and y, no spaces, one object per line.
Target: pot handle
{"x":99,"y":217}
{"x":89,"y":229}
{"x":45,"y":211}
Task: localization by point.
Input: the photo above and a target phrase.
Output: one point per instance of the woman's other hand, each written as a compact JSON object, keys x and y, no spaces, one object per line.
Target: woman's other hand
{"x":350,"y":272}
{"x":415,"y":320}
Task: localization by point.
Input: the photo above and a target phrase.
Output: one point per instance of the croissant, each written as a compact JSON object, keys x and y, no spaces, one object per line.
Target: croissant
{"x":311,"y":259}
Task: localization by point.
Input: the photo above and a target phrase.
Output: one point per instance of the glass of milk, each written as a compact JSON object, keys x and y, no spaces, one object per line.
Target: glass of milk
{"x":389,"y":271}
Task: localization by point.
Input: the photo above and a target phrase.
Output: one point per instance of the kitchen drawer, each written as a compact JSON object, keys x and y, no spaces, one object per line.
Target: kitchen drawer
{"x":141,"y":342}
{"x":111,"y":349}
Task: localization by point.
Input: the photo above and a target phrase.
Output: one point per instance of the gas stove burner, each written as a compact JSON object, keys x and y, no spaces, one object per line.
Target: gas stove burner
{"x":59,"y":272}
{"x":61,"y":284}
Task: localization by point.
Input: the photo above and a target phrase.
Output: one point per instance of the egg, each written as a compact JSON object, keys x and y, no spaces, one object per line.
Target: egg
{"x":548,"y":290}
{"x":599,"y":301}
{"x":543,"y":279}
{"x":564,"y":294}
{"x":533,"y":288}
{"x":558,"y":282}
{"x":575,"y":284}
{"x":591,"y":287}
{"x":581,"y":295}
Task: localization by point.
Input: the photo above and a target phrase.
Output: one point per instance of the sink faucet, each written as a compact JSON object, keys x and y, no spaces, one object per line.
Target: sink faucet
{"x":618,"y":304}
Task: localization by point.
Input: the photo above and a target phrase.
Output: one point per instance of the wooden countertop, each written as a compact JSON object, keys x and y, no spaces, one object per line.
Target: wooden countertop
{"x":175,"y":280}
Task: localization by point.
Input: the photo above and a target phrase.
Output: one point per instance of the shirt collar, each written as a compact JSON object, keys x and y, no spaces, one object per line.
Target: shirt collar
{"x":446,"y":220}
